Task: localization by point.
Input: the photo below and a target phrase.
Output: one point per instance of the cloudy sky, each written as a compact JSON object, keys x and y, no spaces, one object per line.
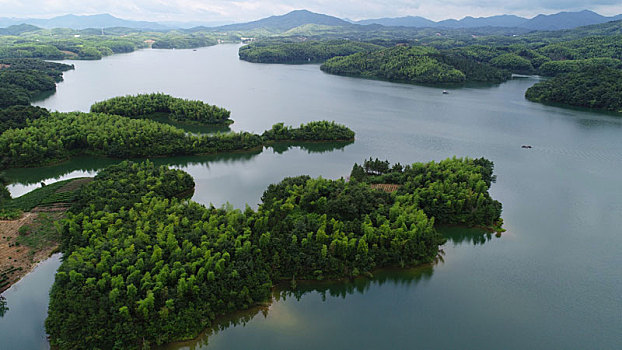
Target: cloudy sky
{"x":245,"y":10}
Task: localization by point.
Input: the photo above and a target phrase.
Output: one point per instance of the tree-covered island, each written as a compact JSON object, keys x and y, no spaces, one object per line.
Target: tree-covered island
{"x":144,"y":266}
{"x":176,"y":109}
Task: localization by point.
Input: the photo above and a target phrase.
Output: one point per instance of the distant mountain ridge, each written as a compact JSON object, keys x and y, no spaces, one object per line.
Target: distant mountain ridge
{"x":287,"y":21}
{"x":83,"y":22}
{"x":297,"y":18}
{"x":561,"y":20}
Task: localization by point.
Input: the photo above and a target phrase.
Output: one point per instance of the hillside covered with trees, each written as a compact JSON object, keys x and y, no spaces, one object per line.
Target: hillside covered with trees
{"x":597,"y":87}
{"x":301,"y":52}
{"x":144,"y":267}
{"x":415,"y":64}
{"x":22,"y":79}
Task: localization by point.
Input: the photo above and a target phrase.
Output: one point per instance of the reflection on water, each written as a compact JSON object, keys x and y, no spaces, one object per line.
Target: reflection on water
{"x":3,"y":307}
{"x":22,"y":327}
{"x":310,"y":147}
{"x":88,"y":166}
{"x":470,"y":235}
{"x":341,"y":289}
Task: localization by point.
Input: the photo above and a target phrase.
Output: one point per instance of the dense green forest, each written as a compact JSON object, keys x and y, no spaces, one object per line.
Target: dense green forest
{"x":415,"y":64}
{"x":595,"y":87}
{"x":301,"y":52}
{"x":184,"y":41}
{"x":177,"y":109}
{"x":63,"y":135}
{"x":553,"y":68}
{"x":15,"y":117}
{"x":447,"y":190}
{"x":22,"y":79}
{"x":144,"y":267}
{"x":312,"y":131}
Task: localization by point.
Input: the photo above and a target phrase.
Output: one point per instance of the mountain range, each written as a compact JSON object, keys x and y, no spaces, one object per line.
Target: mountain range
{"x":282,"y":23}
{"x":83,"y":22}
{"x":561,"y":20}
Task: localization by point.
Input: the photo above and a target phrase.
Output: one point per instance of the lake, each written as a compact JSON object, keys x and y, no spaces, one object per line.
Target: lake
{"x":552,"y":281}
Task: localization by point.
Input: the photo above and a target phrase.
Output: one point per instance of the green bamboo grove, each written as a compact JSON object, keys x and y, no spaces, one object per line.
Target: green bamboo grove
{"x":144,"y":266}
{"x":61,"y":136}
{"x":177,"y":109}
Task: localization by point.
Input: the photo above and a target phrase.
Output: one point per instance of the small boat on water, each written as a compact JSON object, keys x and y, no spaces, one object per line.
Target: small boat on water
{"x":445,"y":92}
{"x":526,"y":146}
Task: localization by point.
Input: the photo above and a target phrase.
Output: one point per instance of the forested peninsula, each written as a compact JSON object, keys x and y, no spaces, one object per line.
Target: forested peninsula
{"x":416,"y":64}
{"x":21,"y":79}
{"x":282,"y":51}
{"x":61,"y":136}
{"x":598,"y":87}
{"x":145,"y":267}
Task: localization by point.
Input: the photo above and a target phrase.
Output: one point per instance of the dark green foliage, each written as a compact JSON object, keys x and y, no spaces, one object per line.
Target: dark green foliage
{"x":416,"y":64}
{"x":13,"y":96}
{"x":178,"y":109}
{"x":18,"y":116}
{"x":553,"y":68}
{"x":21,"y":79}
{"x":146,"y":268}
{"x":312,"y":131}
{"x":63,"y":135}
{"x":474,"y":70}
{"x":595,"y":87}
{"x":513,"y":63}
{"x":301,"y":52}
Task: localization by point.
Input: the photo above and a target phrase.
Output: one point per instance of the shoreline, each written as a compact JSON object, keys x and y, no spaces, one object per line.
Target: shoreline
{"x":17,"y":261}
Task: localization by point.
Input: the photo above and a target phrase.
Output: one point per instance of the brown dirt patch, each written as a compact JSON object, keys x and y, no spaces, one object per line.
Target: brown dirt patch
{"x":17,"y":260}
{"x":385,"y":187}
{"x":69,"y":53}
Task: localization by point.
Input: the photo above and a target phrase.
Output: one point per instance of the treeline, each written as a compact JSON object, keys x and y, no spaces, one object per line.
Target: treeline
{"x":312,"y":131}
{"x":64,"y":135}
{"x":553,"y":68}
{"x":301,"y":52}
{"x":184,"y":41}
{"x":22,"y":79}
{"x":414,"y":64}
{"x":178,"y":109}
{"x":595,"y":87}
{"x":89,"y":44}
{"x":66,"y":46}
{"x":143,"y":268}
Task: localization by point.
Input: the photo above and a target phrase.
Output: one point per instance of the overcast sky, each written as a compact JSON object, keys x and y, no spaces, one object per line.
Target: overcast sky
{"x":246,"y":10}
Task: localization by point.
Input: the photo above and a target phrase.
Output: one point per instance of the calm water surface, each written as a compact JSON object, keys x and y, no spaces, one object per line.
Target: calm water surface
{"x":552,"y":281}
